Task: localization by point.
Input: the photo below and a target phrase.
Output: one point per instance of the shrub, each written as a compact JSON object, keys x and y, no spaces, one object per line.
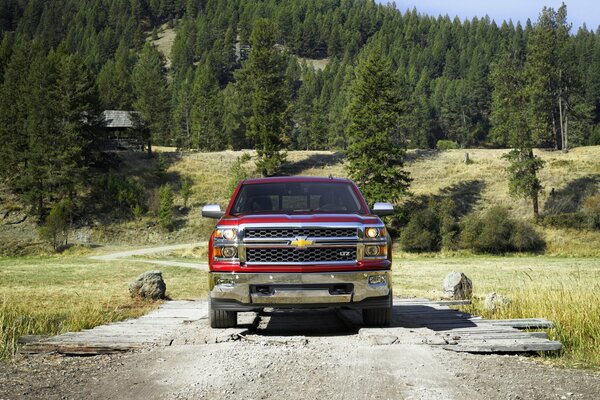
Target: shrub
{"x":165,"y":210}
{"x":422,"y":233}
{"x":575,"y":220}
{"x":449,"y":227}
{"x":186,"y":191}
{"x":446,"y":145}
{"x":591,"y":211}
{"x":57,"y":225}
{"x":495,"y":232}
{"x":525,"y":238}
{"x":126,"y":193}
{"x":237,"y":173}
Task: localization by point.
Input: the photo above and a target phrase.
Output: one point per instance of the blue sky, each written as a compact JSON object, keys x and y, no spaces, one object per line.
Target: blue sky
{"x":579,"y":11}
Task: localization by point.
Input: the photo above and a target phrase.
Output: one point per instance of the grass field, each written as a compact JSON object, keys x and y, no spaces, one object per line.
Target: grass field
{"x":564,"y":290}
{"x":51,"y":295}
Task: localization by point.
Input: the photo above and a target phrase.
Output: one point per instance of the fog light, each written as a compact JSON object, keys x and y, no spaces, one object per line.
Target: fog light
{"x":223,"y":281}
{"x":371,"y":251}
{"x":377,"y":280}
{"x":228,"y":252}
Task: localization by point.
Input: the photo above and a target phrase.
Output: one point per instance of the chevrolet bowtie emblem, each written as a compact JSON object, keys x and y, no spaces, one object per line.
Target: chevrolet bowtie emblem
{"x":301,"y":242}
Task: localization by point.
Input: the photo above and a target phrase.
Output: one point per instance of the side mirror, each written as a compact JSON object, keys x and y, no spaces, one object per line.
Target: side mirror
{"x":383,"y":209}
{"x":212,"y":211}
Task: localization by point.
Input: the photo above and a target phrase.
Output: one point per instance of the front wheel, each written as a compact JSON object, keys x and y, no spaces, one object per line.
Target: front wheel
{"x":221,"y":318}
{"x":379,"y":316}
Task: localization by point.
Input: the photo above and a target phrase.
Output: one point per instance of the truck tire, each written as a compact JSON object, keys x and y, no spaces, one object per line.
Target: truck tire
{"x":221,"y":318}
{"x":378,"y":316}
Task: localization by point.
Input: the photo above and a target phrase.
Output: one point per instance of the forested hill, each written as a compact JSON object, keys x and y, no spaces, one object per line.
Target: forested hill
{"x":458,"y":83}
{"x":443,"y":64}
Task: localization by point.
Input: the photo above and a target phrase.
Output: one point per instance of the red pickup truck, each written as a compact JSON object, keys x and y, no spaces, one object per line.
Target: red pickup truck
{"x":299,"y":242}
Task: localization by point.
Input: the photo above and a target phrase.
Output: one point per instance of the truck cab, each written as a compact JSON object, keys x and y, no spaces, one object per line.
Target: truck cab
{"x":299,"y":242}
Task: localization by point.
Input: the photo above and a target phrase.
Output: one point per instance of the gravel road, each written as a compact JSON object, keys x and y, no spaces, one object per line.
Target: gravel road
{"x":292,"y":355}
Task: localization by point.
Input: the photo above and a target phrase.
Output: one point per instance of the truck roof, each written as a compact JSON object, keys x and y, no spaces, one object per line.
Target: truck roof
{"x":283,"y":179}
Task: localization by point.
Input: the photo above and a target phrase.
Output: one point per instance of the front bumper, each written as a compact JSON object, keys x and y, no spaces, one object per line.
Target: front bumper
{"x":251,"y":291}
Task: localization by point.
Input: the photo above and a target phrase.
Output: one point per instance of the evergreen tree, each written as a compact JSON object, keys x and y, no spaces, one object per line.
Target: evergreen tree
{"x":151,"y":92}
{"x":268,"y":125}
{"x":165,"y":210}
{"x":206,"y":111}
{"x":510,"y":123}
{"x":376,"y":151}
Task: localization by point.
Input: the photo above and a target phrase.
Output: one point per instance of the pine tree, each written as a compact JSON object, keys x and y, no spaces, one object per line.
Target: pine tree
{"x":376,"y":152}
{"x":268,"y":124}
{"x":206,"y":111}
{"x":151,"y":92}
{"x":510,"y":121}
{"x":165,"y":210}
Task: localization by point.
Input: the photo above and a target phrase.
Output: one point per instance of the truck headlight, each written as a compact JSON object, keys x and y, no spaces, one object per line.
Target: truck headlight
{"x":371,"y":232}
{"x":229,"y":234}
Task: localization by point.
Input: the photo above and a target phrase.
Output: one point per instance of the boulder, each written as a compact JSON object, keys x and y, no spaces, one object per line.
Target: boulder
{"x":149,"y":285}
{"x":494,"y":301}
{"x":457,"y":286}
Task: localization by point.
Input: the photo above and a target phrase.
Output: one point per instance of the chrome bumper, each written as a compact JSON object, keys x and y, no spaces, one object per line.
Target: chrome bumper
{"x":299,"y":288}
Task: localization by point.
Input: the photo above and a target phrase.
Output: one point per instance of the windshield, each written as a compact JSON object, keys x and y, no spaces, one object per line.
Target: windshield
{"x":297,"y":197}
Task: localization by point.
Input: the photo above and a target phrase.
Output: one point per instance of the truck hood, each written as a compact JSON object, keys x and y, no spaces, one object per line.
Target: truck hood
{"x":268,"y":219}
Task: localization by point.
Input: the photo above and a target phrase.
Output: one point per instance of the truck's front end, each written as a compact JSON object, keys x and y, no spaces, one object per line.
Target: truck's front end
{"x":299,"y":243}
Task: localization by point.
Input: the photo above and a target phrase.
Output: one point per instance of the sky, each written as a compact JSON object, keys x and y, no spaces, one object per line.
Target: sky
{"x":578,"y":11}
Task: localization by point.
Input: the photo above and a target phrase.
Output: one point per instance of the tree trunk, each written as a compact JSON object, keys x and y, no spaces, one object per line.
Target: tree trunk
{"x":560,"y":112}
{"x":566,"y":147}
{"x":536,"y":209}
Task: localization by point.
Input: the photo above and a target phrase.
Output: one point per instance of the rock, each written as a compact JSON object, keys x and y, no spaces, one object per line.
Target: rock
{"x":149,"y":285}
{"x":493,"y":301}
{"x":457,"y":286}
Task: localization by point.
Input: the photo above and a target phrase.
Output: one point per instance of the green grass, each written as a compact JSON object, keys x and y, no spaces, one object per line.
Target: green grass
{"x":564,"y":290}
{"x":52,"y":295}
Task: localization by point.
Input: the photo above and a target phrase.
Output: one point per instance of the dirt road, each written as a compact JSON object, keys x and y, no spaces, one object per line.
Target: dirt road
{"x":154,"y":250}
{"x":292,"y":355}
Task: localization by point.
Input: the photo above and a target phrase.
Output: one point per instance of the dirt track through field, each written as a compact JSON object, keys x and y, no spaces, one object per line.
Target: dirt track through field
{"x":154,"y":250}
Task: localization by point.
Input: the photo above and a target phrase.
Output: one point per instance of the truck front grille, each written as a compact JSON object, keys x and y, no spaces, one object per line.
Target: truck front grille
{"x":307,"y":255}
{"x":268,"y":233}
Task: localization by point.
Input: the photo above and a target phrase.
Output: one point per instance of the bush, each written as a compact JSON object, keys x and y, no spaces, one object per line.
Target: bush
{"x":446,"y":145}
{"x":525,"y":238}
{"x":126,"y":193}
{"x":237,"y":173}
{"x":591,"y":211}
{"x":165,"y":210}
{"x":57,"y":225}
{"x":496,"y":232}
{"x":575,"y":220}
{"x":186,"y":191}
{"x":422,"y":232}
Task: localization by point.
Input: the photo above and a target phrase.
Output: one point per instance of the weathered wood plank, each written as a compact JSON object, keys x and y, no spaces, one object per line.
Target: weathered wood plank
{"x":505,"y":347}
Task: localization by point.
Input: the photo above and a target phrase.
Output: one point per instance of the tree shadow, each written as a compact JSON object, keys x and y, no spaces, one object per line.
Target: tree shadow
{"x":312,"y":161}
{"x":570,"y":198}
{"x":464,"y":195}
{"x":421,"y":154}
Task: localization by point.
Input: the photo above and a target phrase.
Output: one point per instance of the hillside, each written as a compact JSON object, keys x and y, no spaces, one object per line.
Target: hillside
{"x":475,"y":186}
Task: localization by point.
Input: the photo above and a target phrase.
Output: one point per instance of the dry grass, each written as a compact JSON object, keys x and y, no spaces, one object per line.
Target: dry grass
{"x":564,"y":290}
{"x":51,"y":295}
{"x":434,"y":171}
{"x":317,"y":64}
{"x":166,"y":38}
